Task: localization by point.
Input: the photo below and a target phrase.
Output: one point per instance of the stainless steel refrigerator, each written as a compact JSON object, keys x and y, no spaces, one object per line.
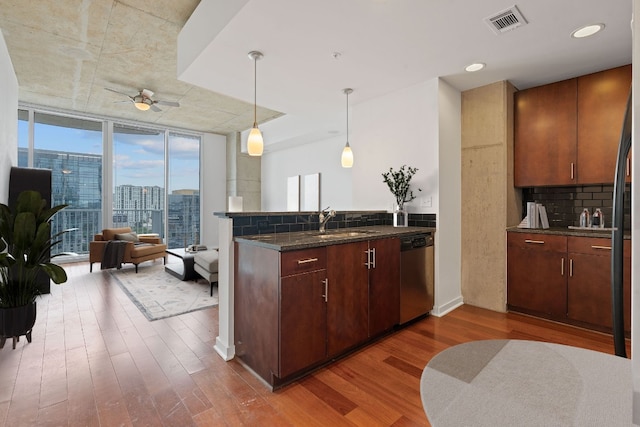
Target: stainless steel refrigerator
{"x":617,"y":237}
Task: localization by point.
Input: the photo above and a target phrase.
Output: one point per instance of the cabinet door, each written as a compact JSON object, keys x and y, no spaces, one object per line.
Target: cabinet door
{"x":589,"y":289}
{"x":303,"y":321}
{"x":602,"y":101}
{"x":384,"y":285}
{"x":589,"y":282}
{"x":536,"y":274}
{"x":347,"y":308}
{"x":545,"y":135}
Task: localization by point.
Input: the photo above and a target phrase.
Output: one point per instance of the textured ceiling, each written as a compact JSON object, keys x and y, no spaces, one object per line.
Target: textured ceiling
{"x":65,"y":52}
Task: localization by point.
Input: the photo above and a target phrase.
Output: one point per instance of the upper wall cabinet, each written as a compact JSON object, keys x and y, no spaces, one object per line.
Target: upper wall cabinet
{"x":545,"y":135}
{"x":567,"y":133}
{"x":602,"y":100}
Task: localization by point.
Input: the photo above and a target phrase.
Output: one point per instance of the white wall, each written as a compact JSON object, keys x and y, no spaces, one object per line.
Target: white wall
{"x":388,"y":132}
{"x":448,"y":237}
{"x":213,"y":185}
{"x":318,"y":157}
{"x":8,"y":119}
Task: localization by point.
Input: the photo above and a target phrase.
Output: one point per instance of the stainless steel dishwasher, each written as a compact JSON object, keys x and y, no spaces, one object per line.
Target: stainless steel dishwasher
{"x":416,"y":276}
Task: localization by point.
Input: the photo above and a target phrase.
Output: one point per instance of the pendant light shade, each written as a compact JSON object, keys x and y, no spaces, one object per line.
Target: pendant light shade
{"x":347,"y":154}
{"x":255,"y":144}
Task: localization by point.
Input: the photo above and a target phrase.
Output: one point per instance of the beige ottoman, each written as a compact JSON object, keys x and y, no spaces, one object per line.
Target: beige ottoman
{"x":206,"y":265}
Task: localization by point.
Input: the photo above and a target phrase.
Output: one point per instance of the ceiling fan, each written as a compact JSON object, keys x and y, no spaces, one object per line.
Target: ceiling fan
{"x":143,"y":100}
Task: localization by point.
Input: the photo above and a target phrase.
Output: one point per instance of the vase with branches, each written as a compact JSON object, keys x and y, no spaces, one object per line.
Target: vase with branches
{"x":399,"y":182}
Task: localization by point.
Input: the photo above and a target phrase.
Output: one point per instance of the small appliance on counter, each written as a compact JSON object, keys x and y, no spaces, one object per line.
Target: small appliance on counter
{"x":585,"y":218}
{"x":598,"y":219}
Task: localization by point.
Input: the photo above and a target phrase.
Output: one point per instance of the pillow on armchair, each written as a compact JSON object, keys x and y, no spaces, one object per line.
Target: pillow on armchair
{"x":129,"y":237}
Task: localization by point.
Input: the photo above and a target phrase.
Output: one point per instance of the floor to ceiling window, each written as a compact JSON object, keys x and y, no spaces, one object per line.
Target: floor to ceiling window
{"x":152,"y":192}
{"x":72,"y":149}
{"x":138,"y":179}
{"x":183,"y":216}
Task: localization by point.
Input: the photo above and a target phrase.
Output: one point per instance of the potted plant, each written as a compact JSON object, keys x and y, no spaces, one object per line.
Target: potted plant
{"x":399,"y":183}
{"x":25,"y":247}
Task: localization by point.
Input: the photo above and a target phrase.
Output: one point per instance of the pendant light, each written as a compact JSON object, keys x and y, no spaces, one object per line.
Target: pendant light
{"x":347,"y":154}
{"x":255,"y":144}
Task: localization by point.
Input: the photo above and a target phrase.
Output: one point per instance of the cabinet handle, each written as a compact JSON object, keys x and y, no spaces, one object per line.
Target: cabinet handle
{"x":306,"y":261}
{"x":326,"y":290}
{"x":571,"y":267}
{"x":537,"y":242}
{"x":368,"y":263}
{"x":628,"y":166}
{"x":606,"y":248}
{"x":572,"y":169}
{"x":562,"y":267}
{"x":374,"y":257}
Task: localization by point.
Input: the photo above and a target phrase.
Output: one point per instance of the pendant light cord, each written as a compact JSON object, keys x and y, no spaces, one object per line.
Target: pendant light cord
{"x":347,"y":117}
{"x":255,"y":90}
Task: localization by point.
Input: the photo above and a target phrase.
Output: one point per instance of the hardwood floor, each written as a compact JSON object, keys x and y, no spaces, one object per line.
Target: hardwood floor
{"x":95,"y":360}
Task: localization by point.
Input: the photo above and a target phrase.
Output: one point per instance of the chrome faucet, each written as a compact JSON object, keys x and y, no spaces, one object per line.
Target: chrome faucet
{"x":324,"y":216}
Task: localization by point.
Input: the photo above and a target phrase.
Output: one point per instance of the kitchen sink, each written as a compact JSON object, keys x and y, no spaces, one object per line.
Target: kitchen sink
{"x":339,"y":234}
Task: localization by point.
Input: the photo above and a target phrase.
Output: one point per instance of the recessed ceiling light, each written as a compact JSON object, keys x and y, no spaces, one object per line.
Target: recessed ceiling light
{"x":474,"y":67}
{"x":587,"y":30}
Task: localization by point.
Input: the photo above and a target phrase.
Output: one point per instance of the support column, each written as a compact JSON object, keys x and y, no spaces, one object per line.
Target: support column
{"x":224,"y":345}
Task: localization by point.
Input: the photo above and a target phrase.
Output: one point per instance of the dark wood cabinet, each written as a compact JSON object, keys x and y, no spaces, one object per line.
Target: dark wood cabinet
{"x":536,"y":273}
{"x":297,"y":310}
{"x":567,"y":133}
{"x":384,"y":285}
{"x":565,"y":278}
{"x":545,"y":135}
{"x":589,"y":282}
{"x":347,"y":311}
{"x":602,"y":101}
{"x":364,"y":292}
{"x":303,"y":321}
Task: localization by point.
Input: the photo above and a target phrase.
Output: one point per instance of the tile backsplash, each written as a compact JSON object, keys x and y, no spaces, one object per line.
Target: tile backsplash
{"x":564,"y":204}
{"x":265,"y":223}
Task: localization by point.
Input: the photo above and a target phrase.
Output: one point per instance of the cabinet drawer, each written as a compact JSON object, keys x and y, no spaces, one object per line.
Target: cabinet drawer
{"x":303,"y":261}
{"x":593,"y":245}
{"x":546,"y":242}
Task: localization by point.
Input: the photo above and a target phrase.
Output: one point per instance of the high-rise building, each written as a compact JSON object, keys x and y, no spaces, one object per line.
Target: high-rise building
{"x":183,"y":217}
{"x":76,"y":181}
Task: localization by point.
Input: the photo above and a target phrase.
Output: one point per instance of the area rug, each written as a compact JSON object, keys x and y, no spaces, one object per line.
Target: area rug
{"x":526,"y":383}
{"x":159,"y":295}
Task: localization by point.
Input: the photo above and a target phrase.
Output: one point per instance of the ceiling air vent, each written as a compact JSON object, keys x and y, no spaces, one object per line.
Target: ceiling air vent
{"x":507,"y":20}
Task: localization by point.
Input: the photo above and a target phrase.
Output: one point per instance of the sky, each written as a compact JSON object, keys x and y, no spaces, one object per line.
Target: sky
{"x":138,"y":158}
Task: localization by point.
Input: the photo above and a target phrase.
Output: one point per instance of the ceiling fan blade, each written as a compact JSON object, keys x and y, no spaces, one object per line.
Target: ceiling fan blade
{"x":154,"y":108}
{"x":117,"y":91}
{"x":168,"y":103}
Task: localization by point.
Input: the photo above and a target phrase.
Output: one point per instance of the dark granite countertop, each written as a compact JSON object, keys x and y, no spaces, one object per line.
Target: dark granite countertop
{"x":310,"y":239}
{"x":578,"y":232}
{"x":273,"y":213}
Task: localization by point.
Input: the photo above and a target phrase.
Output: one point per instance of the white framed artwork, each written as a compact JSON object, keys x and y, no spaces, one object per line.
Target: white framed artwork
{"x":293,"y":193}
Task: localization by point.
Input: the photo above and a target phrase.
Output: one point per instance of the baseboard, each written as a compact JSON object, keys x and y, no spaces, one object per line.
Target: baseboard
{"x":227,"y":353}
{"x":443,"y":309}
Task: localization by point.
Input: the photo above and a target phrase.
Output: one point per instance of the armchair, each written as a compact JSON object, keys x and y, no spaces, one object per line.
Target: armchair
{"x":132,"y":253}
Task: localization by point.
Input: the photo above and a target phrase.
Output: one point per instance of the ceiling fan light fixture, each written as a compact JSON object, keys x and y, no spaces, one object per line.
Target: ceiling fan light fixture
{"x":255,"y":143}
{"x":587,"y":30}
{"x":141,"y":103}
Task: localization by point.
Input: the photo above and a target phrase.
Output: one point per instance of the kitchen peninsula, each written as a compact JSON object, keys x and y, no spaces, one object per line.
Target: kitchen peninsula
{"x":305,"y":298}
